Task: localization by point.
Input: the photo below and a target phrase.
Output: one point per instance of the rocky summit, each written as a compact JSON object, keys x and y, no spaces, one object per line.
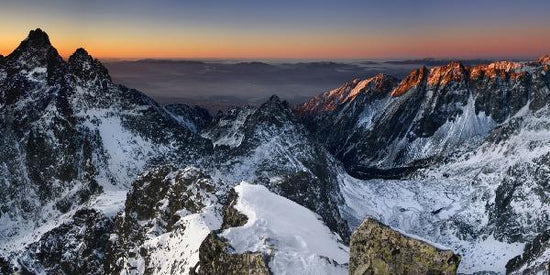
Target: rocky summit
{"x":377,"y":249}
{"x":376,"y":176}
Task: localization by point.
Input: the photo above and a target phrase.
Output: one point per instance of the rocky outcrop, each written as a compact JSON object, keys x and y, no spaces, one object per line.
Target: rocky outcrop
{"x":194,"y":118}
{"x":535,"y":258}
{"x":164,"y":204}
{"x":76,"y":247}
{"x":215,"y":258}
{"x":232,"y":217}
{"x":417,"y":120}
{"x":378,"y":249}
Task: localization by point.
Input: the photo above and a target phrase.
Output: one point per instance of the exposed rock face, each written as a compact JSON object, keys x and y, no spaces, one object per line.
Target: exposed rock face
{"x":194,"y":118}
{"x":535,"y":258}
{"x":67,"y":131}
{"x":215,"y":258}
{"x":274,"y":149}
{"x":232,"y":217}
{"x":76,"y":247}
{"x":377,"y":249}
{"x":162,"y":205}
{"x":337,"y":117}
{"x":522,"y":185}
{"x":227,"y":129}
{"x":430,"y":113}
{"x":375,"y":87}
{"x":5,"y":267}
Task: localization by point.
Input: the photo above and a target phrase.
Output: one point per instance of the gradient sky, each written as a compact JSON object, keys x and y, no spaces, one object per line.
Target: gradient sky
{"x":324,"y":29}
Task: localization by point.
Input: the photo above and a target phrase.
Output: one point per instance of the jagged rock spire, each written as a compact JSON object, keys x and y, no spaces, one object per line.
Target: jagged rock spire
{"x":414,"y":79}
{"x":36,"y":51}
{"x":39,"y":37}
{"x":86,"y":67}
{"x":36,"y":41}
{"x":544,"y":59}
{"x":275,"y":103}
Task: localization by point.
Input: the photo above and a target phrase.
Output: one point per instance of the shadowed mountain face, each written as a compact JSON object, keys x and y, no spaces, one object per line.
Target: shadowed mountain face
{"x":68,"y":132}
{"x":73,"y":139}
{"x":99,"y":178}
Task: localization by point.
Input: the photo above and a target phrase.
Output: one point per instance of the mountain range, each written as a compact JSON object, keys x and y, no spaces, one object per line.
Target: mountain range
{"x":98,"y":178}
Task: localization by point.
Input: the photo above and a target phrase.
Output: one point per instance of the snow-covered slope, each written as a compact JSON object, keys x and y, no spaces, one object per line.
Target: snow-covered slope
{"x":277,"y":151}
{"x":535,"y":258}
{"x":484,"y":204}
{"x":228,"y":128}
{"x":71,"y":137}
{"x":456,"y":155}
{"x":295,"y":239}
{"x":429,"y":114}
{"x":167,"y":215}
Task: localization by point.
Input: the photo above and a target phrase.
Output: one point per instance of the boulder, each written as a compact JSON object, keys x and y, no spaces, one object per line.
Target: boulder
{"x":377,"y":249}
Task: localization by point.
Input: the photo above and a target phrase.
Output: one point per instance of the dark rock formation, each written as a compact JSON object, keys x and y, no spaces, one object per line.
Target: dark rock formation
{"x":379,"y":131}
{"x":195,"y":118}
{"x":157,"y":201}
{"x":232,"y":217}
{"x":215,"y":258}
{"x":76,"y":247}
{"x":532,"y":261}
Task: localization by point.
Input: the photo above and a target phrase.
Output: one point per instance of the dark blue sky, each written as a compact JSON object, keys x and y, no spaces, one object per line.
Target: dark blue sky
{"x":285,"y":29}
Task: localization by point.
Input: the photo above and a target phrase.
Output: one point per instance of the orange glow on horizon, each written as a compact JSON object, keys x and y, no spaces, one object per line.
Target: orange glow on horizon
{"x":118,"y":44}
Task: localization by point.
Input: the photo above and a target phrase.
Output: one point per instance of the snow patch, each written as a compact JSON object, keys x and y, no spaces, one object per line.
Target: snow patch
{"x":296,"y":237}
{"x":423,"y":209}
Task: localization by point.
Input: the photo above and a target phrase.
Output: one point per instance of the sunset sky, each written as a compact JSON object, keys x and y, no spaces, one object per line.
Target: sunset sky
{"x":323,"y":29}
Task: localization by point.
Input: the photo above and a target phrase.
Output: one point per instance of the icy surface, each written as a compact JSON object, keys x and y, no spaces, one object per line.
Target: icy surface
{"x":296,"y":237}
{"x":466,"y":129}
{"x":229,"y":131}
{"x":127,"y":152}
{"x":177,"y":250}
{"x":544,"y":258}
{"x":462,"y":191}
{"x":408,"y":206}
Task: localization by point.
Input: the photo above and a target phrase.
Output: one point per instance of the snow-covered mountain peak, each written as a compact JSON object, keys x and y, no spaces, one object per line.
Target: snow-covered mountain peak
{"x":327,"y":101}
{"x":273,"y":108}
{"x":36,"y":39}
{"x":274,"y":101}
{"x":75,"y":138}
{"x":35,"y":51}
{"x":86,"y":67}
{"x":378,"y":86}
{"x":454,"y":71}
{"x":545,"y":59}
{"x":414,"y":79}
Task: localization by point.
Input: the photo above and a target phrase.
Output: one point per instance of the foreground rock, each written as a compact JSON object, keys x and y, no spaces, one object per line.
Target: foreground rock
{"x":377,"y":249}
{"x":265,"y":233}
{"x":216,"y":258}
